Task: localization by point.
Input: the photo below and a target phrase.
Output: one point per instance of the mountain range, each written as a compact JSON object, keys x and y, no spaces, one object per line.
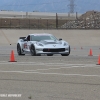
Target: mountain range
{"x":59,"y":6}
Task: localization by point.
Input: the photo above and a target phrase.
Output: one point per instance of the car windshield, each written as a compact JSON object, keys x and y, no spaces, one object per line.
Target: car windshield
{"x":43,"y":37}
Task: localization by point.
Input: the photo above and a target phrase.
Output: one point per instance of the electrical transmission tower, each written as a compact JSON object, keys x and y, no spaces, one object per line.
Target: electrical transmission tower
{"x":71,"y":5}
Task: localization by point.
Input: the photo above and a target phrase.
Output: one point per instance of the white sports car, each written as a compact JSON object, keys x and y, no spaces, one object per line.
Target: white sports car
{"x":37,"y":44}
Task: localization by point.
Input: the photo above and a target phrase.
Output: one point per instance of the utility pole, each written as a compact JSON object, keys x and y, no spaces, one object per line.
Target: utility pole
{"x":71,"y":6}
{"x":56,"y":21}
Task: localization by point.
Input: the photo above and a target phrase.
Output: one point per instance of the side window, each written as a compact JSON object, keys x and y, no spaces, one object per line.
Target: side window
{"x":28,"y":38}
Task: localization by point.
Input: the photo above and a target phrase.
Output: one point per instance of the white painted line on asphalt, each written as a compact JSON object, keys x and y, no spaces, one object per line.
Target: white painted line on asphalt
{"x":59,"y":74}
{"x":11,"y":71}
{"x":3,"y":61}
{"x":7,"y":63}
{"x":30,"y":64}
{"x":55,"y":68}
{"x":50,"y":64}
{"x":40,"y":64}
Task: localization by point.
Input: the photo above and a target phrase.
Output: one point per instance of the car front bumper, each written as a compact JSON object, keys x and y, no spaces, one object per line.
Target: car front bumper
{"x":52,"y":51}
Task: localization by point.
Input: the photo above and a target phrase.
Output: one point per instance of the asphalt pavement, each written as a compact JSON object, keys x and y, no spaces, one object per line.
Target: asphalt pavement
{"x":73,"y":77}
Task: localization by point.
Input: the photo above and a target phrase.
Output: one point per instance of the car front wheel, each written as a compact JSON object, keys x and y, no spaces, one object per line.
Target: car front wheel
{"x":66,"y":54}
{"x":49,"y":54}
{"x":32,"y":50}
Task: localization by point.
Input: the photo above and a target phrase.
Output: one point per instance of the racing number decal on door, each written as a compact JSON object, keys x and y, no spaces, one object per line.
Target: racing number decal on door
{"x":25,"y":45}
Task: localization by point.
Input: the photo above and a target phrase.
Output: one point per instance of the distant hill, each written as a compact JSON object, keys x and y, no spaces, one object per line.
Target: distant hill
{"x":60,"y":6}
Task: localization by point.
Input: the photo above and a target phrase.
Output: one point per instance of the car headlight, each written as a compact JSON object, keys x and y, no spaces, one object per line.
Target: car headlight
{"x":65,"y":44}
{"x":39,"y":44}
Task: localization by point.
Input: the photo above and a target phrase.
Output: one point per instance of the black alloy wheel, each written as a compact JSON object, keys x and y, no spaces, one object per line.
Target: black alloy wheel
{"x":32,"y":50}
{"x":49,"y":54}
{"x":19,"y":50}
{"x":66,"y":54}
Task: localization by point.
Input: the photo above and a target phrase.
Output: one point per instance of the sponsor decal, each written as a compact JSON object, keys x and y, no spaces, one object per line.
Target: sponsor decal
{"x":25,"y":45}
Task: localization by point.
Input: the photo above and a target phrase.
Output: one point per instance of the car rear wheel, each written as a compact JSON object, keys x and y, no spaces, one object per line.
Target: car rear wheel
{"x":19,"y":50}
{"x":32,"y":50}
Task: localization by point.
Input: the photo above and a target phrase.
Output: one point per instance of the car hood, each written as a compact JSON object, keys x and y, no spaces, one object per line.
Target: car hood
{"x":51,"y":44}
{"x":45,"y":42}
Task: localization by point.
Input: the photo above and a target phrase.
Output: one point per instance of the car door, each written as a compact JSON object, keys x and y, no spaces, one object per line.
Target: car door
{"x":27,"y":44}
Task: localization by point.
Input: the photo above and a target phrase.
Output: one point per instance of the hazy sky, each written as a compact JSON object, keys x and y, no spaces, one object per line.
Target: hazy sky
{"x":49,"y":5}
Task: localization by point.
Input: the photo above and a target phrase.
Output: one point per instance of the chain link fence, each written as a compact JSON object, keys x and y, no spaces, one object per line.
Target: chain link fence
{"x":49,"y":23}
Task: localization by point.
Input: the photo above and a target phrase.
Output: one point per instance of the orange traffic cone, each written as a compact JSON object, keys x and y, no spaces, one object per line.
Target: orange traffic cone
{"x":90,"y":53}
{"x":98,"y":60}
{"x":12,"y":58}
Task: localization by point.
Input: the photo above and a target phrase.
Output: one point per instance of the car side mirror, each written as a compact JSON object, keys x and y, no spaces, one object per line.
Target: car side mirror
{"x":60,"y":39}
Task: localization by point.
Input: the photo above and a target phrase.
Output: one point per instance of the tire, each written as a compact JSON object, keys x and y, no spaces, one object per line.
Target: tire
{"x":32,"y":50}
{"x":19,"y":50}
{"x":66,"y":54}
{"x":38,"y":54}
{"x":49,"y":54}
